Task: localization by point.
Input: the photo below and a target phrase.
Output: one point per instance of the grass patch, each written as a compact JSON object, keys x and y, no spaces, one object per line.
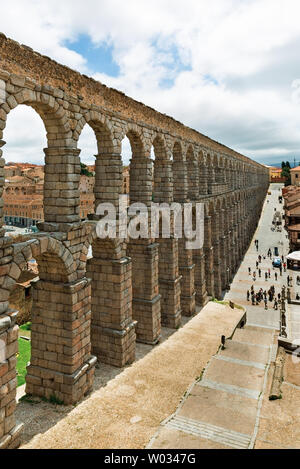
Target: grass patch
{"x":26,"y":327}
{"x":220,"y":302}
{"x":226,"y":303}
{"x":23,"y":358}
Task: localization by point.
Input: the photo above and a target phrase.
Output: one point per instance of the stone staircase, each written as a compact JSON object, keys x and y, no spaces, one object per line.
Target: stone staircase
{"x":224,"y":405}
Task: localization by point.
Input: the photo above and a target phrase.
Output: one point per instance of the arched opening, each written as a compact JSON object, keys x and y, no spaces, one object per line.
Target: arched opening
{"x":87,"y":144}
{"x":24,"y":170}
{"x":162,"y":172}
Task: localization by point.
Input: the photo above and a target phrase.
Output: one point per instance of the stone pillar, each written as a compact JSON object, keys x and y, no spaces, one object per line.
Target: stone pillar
{"x":9,"y":430}
{"x":108,"y":178}
{"x":203,"y":179}
{"x":193,"y":179}
{"x":235,"y":237}
{"x":146,"y":307}
{"x":211,"y":179}
{"x":231,"y":242}
{"x":61,"y":187}
{"x":61,"y":365}
{"x":209,"y":257}
{"x":219,"y":176}
{"x":169,"y":283}
{"x":141,"y":186}
{"x":113,"y":330}
{"x":200,"y":278}
{"x":163,"y":181}
{"x":223,"y":250}
{"x":187,"y":272}
{"x":2,"y":180}
{"x":180,"y":181}
{"x":168,"y":267}
{"x":217,"y":261}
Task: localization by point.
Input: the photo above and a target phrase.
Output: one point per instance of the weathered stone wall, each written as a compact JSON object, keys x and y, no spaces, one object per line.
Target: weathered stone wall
{"x":130,"y":287}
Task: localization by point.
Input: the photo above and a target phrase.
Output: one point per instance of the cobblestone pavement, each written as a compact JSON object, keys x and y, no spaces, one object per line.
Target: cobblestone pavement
{"x":223,"y":408}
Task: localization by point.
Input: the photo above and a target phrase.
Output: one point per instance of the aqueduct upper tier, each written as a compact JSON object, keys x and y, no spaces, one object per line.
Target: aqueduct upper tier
{"x":97,"y":307}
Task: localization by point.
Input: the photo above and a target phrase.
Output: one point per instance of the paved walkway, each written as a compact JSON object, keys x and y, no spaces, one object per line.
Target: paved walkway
{"x":222,"y":409}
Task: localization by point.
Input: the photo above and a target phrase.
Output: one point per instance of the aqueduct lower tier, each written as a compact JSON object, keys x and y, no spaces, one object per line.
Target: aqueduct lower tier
{"x":84,"y":309}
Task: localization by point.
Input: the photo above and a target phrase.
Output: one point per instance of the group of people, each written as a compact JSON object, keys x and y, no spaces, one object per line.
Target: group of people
{"x":265,"y":296}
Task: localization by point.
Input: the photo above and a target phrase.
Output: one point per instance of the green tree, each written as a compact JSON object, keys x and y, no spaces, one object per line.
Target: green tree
{"x":286,"y":174}
{"x":84,"y":170}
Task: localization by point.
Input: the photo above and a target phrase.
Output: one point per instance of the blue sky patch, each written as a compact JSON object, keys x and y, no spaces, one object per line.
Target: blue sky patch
{"x":99,"y":58}
{"x":173,"y":62}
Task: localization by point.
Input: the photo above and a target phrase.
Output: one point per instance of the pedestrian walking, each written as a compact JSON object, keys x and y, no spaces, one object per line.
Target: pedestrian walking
{"x":280,"y":270}
{"x":259,"y":273}
{"x":257,"y":264}
{"x":266,"y":304}
{"x":249,"y":270}
{"x":266,"y":276}
{"x":276,"y":305}
{"x":254,"y":276}
{"x":276,"y":276}
{"x":248,"y":295}
{"x":269,"y":273}
{"x":259,"y":259}
{"x":284,"y":266}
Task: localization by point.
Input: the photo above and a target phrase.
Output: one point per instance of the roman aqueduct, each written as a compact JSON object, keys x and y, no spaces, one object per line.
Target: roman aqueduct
{"x":97,"y":308}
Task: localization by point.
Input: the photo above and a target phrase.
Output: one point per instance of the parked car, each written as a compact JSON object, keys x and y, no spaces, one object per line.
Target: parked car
{"x":276,"y":262}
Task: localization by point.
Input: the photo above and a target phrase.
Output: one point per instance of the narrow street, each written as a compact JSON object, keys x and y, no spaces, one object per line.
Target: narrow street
{"x":257,"y":315}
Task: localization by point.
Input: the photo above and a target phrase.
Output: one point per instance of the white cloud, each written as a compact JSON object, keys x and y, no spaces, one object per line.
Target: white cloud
{"x":239,"y":75}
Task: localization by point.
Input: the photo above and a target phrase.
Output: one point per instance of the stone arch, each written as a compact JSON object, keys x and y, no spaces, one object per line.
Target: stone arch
{"x":190,"y":154}
{"x":53,"y":115}
{"x":103,"y":129}
{"x":46,"y":251}
{"x":160,"y":148}
{"x":135,"y":136}
{"x":177,"y":151}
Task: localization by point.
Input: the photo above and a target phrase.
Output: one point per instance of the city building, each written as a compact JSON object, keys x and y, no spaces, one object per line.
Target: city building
{"x":23,"y":194}
{"x":291,"y":196}
{"x":275,"y":174}
{"x":295,"y":176}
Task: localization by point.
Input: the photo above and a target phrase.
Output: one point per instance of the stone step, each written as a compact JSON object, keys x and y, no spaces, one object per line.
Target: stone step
{"x":210,"y":432}
{"x":229,"y":388}
{"x":245,"y":351}
{"x":237,"y":361}
{"x":255,"y":336}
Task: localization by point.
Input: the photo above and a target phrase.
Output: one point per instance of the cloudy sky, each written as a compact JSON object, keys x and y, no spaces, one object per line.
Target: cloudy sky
{"x":228,"y":68}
